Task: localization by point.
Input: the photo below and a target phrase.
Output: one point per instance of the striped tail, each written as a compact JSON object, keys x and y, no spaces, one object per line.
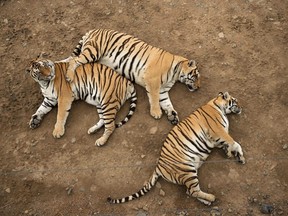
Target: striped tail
{"x":77,"y":49}
{"x":133,"y":103}
{"x":147,"y":187}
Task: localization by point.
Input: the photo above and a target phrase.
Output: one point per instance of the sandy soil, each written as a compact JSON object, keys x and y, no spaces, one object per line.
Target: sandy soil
{"x":241,"y":47}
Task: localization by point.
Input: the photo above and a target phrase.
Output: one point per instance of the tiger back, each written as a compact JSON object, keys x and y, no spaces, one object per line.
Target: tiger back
{"x":94,"y":83}
{"x":189,"y":144}
{"x":151,"y":67}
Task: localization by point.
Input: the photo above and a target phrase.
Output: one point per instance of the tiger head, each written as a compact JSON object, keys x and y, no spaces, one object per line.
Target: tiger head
{"x":41,"y":70}
{"x":228,"y":103}
{"x":190,"y":75}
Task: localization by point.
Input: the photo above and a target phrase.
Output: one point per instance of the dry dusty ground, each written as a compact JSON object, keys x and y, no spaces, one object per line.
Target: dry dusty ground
{"x":241,"y":46}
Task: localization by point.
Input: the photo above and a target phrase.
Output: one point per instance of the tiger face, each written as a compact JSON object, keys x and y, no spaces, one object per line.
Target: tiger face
{"x":229,"y":103}
{"x":41,"y":70}
{"x":190,"y":75}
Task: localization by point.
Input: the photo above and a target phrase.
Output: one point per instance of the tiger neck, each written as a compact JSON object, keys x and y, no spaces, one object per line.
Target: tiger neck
{"x":61,"y":69}
{"x":177,"y":65}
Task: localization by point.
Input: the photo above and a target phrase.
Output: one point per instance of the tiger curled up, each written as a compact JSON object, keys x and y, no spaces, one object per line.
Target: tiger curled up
{"x":95,"y":83}
{"x":153,"y":68}
{"x":189,"y":144}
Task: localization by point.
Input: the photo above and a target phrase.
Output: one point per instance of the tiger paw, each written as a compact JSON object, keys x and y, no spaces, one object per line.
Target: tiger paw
{"x":92,"y":130}
{"x":156,"y":113}
{"x":206,"y":198}
{"x":101,"y":141}
{"x":58,"y":132}
{"x":34,"y":122}
{"x":69,"y":76}
{"x":173,"y":118}
{"x":240,"y":158}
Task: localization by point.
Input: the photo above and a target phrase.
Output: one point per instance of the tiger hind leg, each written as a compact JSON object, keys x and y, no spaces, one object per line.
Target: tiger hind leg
{"x":96,"y":127}
{"x":108,"y":115}
{"x":86,"y":56}
{"x":107,"y":133}
{"x":195,"y":191}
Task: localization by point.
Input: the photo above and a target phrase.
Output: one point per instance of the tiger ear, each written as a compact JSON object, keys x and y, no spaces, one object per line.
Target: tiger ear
{"x":226,"y":95}
{"x":35,"y":64}
{"x":192,"y":63}
{"x":42,"y":55}
{"x":28,"y":70}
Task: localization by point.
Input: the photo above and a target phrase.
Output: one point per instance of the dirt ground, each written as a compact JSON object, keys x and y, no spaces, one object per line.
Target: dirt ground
{"x":241,"y":47}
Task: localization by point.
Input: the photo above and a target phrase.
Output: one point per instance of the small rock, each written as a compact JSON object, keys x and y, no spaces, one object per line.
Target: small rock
{"x":69,"y":190}
{"x":6,"y":21}
{"x":8,"y":190}
{"x":73,"y":140}
{"x":142,"y":156}
{"x":285,"y":146}
{"x":215,"y":211}
{"x":141,"y":213}
{"x":182,"y":213}
{"x":280,"y":212}
{"x":234,"y":45}
{"x":221,"y":35}
{"x":145,"y":208}
{"x":230,"y":210}
{"x":158,"y":185}
{"x":138,"y":163}
{"x":162,"y":193}
{"x":209,"y":186}
{"x":26,"y":212}
{"x":160,"y":202}
{"x":124,"y":143}
{"x":93,"y":188}
{"x":176,"y":33}
{"x":266,"y":209}
{"x":153,"y":130}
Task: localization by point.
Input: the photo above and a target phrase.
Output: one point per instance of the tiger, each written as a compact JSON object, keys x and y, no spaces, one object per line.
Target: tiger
{"x":150,"y":67}
{"x":189,"y":144}
{"x":94,"y":83}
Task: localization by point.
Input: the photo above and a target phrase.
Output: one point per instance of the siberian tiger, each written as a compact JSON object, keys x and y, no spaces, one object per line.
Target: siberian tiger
{"x":95,"y":83}
{"x":189,"y":144}
{"x":153,"y":68}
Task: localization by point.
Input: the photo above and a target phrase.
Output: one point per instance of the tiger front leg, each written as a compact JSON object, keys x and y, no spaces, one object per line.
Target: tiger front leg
{"x":44,"y":108}
{"x":167,"y":106}
{"x":225,"y":141}
{"x":64,"y":107}
{"x":235,"y":149}
{"x":153,"y":95}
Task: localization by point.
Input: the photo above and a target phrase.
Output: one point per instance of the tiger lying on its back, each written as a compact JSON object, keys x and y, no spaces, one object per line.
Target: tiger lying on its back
{"x":153,"y":68}
{"x":189,"y":144}
{"x":95,"y":83}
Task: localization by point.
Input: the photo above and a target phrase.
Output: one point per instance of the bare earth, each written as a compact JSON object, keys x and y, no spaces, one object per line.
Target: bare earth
{"x":241,"y":47}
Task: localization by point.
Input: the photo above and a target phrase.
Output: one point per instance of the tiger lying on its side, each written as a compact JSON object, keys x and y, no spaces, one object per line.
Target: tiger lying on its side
{"x":153,"y":68}
{"x":95,"y":83}
{"x":189,"y":144}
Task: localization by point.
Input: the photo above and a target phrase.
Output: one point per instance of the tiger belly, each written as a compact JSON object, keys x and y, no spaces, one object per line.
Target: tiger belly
{"x":91,"y":101}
